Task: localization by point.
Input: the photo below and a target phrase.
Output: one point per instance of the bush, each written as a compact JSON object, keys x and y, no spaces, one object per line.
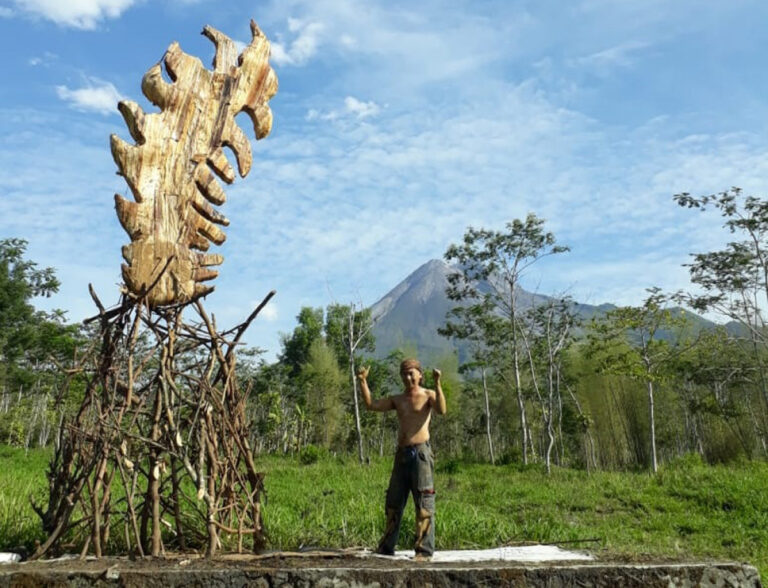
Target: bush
{"x":513,"y":455}
{"x":310,"y":454}
{"x":449,"y":466}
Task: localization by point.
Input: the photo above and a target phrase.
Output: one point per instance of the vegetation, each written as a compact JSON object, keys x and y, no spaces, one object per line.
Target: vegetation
{"x":688,"y":510}
{"x":633,"y":388}
{"x":34,"y":348}
{"x":572,"y":415}
{"x":492,"y":315}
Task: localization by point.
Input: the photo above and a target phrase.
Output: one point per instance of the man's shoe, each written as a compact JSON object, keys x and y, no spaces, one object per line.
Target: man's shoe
{"x":422,"y":557}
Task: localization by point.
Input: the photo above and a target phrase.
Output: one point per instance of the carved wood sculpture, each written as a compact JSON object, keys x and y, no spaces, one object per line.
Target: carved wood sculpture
{"x":163,"y":414}
{"x":171,"y":170}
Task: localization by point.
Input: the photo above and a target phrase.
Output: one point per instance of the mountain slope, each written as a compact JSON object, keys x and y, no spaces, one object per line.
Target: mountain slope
{"x":413,"y":310}
{"x":410,"y":314}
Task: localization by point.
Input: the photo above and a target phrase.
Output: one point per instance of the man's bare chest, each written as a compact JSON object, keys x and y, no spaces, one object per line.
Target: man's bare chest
{"x":411,"y":406}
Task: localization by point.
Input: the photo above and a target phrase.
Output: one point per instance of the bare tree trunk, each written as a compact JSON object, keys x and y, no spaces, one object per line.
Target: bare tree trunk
{"x":756,"y":427}
{"x":590,"y":446}
{"x":652,"y":423}
{"x":32,"y":423}
{"x":699,"y":441}
{"x":561,"y":446}
{"x":521,"y":404}
{"x":358,"y":428}
{"x":488,"y":417}
{"x":549,"y":417}
{"x":45,"y":427}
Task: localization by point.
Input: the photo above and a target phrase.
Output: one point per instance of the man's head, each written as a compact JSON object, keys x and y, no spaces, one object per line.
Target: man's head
{"x":410,"y":372}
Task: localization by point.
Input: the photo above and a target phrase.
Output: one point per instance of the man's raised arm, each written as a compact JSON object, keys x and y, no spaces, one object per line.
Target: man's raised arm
{"x":439,"y":403}
{"x":380,"y":405}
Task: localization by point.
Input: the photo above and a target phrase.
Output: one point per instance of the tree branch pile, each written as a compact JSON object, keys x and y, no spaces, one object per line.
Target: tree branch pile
{"x":159,"y":451}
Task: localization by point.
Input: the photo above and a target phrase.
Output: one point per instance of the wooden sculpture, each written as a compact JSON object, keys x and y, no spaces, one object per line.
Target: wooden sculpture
{"x":163,"y":419}
{"x":172,"y":168}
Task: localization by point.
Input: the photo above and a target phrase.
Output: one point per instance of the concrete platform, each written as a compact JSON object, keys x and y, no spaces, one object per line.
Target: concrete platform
{"x":333,"y":569}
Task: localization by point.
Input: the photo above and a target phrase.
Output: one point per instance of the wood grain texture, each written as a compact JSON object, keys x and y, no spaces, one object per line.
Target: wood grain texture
{"x":174,"y":168}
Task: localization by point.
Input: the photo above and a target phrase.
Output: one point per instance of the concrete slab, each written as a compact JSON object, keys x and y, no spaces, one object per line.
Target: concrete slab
{"x":524,"y":553}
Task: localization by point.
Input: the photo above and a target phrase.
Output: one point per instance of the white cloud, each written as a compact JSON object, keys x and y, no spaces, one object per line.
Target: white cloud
{"x":302,"y":48}
{"x":622,"y":55}
{"x":98,"y":96}
{"x":79,"y":14}
{"x":400,"y":47}
{"x":352,"y":108}
{"x":6,"y":12}
{"x":46,"y":59}
{"x":314,"y":114}
{"x":269,"y":312}
{"x":359,"y":108}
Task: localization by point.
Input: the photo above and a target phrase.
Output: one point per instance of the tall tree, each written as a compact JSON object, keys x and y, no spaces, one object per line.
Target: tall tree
{"x":347,"y":330}
{"x":546,"y":338}
{"x":491,"y":264}
{"x":20,"y":281}
{"x":626,"y":341}
{"x":34,"y":345}
{"x":719,"y":377}
{"x":322,"y":380}
{"x":296,"y":345}
{"x":734,"y":280}
{"x":476,"y":326}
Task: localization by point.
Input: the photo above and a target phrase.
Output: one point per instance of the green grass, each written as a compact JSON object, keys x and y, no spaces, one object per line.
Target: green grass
{"x":688,"y":510}
{"x":21,"y":476}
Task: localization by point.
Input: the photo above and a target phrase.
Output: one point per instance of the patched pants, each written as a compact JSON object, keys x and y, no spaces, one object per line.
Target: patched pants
{"x":412,"y":472}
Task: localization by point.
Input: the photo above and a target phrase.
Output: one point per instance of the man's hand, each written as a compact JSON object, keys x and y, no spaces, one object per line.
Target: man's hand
{"x":362,"y":373}
{"x":436,"y":373}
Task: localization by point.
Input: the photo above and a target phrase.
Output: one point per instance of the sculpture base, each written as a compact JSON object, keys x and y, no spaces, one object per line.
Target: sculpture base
{"x":308,"y":569}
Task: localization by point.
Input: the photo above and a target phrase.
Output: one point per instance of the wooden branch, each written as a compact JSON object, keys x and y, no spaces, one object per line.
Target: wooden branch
{"x":244,"y":326}
{"x":139,"y":418}
{"x":96,"y":300}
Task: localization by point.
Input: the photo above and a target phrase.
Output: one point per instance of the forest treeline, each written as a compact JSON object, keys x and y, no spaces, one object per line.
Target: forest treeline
{"x":627,"y":389}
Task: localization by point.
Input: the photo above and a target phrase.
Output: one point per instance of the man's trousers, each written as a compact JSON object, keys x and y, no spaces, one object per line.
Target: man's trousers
{"x":413,"y":472}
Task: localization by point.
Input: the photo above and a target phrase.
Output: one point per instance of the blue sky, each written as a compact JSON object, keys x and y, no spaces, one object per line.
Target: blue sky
{"x":397,"y":125}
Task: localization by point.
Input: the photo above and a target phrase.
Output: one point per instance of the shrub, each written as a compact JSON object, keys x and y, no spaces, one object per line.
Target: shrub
{"x":449,"y":466}
{"x":310,"y":454}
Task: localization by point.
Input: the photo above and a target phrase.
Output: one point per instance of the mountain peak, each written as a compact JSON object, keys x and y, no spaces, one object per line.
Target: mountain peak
{"x":428,"y":280}
{"x":411,"y":313}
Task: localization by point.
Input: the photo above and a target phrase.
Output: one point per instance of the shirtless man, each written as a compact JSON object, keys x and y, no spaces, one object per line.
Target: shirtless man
{"x":414,"y":466}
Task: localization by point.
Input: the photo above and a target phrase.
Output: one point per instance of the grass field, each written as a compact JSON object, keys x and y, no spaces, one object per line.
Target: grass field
{"x":688,"y":510}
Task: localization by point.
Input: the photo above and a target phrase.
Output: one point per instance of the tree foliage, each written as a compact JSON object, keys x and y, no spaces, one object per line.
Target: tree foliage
{"x":296,"y":346}
{"x":20,"y":281}
{"x":33,"y":346}
{"x":486,"y":286}
{"x":734,"y":280}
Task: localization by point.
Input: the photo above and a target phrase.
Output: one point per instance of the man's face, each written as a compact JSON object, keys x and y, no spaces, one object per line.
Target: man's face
{"x":411,"y":377}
